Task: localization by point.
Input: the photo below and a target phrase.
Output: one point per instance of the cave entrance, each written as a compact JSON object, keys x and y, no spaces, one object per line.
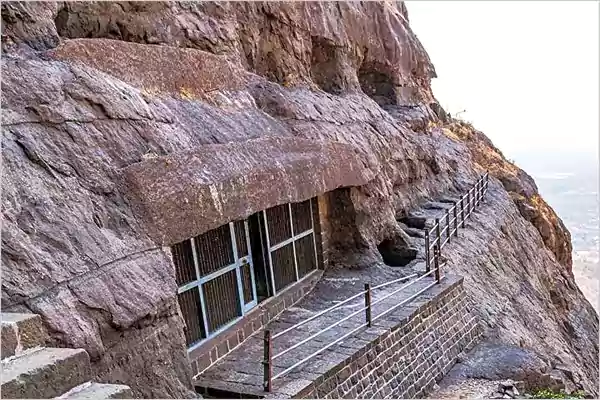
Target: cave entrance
{"x":396,"y":252}
{"x":377,"y":84}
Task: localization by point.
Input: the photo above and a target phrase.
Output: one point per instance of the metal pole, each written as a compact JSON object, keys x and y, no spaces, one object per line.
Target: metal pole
{"x":448,"y":227}
{"x":427,"y":265}
{"x":462,"y":212}
{"x":437,"y":233}
{"x":267,"y":365}
{"x":455,"y":220}
{"x":368,"y":304}
{"x":468,"y":203}
{"x":436,"y":257}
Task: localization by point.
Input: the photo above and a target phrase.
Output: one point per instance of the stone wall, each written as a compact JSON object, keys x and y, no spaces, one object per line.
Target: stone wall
{"x":407,"y":360}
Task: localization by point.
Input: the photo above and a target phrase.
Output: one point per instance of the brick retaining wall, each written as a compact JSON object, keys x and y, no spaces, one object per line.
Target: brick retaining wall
{"x":407,"y":360}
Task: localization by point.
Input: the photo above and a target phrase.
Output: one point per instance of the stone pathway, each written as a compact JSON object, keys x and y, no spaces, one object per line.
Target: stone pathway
{"x":241,"y":371}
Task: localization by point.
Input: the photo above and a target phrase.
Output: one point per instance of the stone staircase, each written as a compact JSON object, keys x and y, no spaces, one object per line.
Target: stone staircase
{"x":32,"y":371}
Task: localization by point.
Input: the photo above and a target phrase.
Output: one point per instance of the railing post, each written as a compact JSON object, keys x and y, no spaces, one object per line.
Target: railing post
{"x":448,"y":227}
{"x":427,"y":259}
{"x":267,"y":364}
{"x":437,"y":234}
{"x":436,"y":257}
{"x":462,"y":212}
{"x":468,"y":204}
{"x":368,"y":304}
{"x":455,"y":220}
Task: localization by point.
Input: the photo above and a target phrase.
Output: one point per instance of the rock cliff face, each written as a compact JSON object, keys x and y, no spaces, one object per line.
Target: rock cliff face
{"x":98,"y":96}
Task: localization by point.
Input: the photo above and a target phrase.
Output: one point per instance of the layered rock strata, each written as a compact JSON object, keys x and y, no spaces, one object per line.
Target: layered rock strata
{"x":96,"y":95}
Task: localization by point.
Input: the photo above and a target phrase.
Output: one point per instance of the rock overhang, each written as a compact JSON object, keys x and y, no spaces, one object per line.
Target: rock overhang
{"x":181,"y":195}
{"x":184,"y":72}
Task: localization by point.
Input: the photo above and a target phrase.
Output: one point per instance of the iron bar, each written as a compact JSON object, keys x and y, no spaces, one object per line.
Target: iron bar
{"x":468,"y":204}
{"x":444,"y":229}
{"x":394,"y":281}
{"x":317,"y":315}
{"x":436,"y":260}
{"x":404,"y":301}
{"x":316,"y":353}
{"x":437,"y":229}
{"x":290,"y":240}
{"x":368,"y":304}
{"x":267,"y":362}
{"x":448,"y":234}
{"x":455,"y":221}
{"x":403,"y":287}
{"x":427,"y":267}
{"x":314,"y":335}
{"x":444,"y":242}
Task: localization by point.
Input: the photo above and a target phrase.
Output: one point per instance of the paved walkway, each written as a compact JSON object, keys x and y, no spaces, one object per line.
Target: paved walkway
{"x":241,"y":371}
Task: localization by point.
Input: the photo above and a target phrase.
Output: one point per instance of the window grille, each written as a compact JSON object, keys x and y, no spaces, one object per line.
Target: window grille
{"x":215,"y":270}
{"x":215,"y":276}
{"x":291,"y":242}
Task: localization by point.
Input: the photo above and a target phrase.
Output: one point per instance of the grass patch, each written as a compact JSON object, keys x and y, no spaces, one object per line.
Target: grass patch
{"x":550,"y":394}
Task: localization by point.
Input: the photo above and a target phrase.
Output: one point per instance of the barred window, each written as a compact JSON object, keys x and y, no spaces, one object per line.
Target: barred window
{"x":291,"y":242}
{"x":214,"y":274}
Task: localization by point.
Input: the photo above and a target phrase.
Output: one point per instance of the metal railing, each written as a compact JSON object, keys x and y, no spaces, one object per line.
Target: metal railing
{"x":473,"y":197}
{"x":454,"y":218}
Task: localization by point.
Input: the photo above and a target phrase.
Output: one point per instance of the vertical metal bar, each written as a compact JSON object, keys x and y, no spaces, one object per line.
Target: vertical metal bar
{"x":448,"y":227}
{"x":293,"y":242}
{"x":238,"y":272}
{"x":468,"y":203}
{"x":462,"y":211}
{"x":368,"y":304}
{"x":269,"y":252}
{"x":427,"y":260}
{"x":200,"y":291}
{"x":267,"y":364}
{"x":437,"y":233}
{"x":455,"y":220}
{"x":312,"y":221}
{"x":250,"y":263}
{"x":436,"y":255}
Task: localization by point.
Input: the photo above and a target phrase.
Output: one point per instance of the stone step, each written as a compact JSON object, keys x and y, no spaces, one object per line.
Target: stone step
{"x":21,"y":332}
{"x":44,"y":373}
{"x":92,"y":390}
{"x":437,"y":205}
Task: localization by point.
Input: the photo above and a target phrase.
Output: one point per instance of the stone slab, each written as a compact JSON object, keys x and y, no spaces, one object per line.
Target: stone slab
{"x":96,"y":391}
{"x":21,"y":332}
{"x":44,"y":373}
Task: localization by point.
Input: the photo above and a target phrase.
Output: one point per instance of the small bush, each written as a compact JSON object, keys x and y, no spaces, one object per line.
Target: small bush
{"x":186,"y":94}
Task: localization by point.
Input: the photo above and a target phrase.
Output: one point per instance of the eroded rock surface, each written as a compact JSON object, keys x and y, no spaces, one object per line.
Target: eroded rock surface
{"x":92,"y":91}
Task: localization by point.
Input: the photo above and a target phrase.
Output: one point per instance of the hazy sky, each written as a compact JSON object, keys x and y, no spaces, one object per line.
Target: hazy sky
{"x":525,"y":71}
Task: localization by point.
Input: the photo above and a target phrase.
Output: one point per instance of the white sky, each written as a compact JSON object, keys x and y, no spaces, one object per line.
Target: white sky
{"x":525,"y":71}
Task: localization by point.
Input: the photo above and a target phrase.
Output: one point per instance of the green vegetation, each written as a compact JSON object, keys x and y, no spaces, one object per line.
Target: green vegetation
{"x":549,"y":394}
